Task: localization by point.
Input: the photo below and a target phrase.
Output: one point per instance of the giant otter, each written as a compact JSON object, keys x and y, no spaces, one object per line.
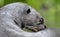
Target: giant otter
{"x":15,"y":17}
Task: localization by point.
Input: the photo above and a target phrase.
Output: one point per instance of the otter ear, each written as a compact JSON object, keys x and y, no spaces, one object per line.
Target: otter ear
{"x":28,"y":11}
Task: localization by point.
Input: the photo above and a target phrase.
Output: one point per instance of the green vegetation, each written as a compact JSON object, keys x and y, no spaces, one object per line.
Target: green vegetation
{"x":49,"y":9}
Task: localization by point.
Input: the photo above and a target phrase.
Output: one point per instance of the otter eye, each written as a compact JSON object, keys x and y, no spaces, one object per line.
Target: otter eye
{"x":28,"y":11}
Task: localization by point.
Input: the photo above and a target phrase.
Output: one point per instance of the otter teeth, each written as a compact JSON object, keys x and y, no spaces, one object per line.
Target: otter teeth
{"x":35,"y":29}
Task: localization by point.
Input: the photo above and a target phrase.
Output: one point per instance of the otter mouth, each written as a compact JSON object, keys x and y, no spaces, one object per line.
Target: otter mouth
{"x":32,"y":29}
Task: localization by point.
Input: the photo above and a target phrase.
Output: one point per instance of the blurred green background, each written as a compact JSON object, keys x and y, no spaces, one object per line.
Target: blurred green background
{"x":49,"y":9}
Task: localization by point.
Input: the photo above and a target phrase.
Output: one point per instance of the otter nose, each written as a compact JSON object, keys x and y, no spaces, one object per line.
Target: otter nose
{"x":41,"y":21}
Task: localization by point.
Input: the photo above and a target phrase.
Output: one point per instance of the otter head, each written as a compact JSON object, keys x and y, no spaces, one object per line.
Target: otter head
{"x":32,"y":20}
{"x":27,"y":17}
